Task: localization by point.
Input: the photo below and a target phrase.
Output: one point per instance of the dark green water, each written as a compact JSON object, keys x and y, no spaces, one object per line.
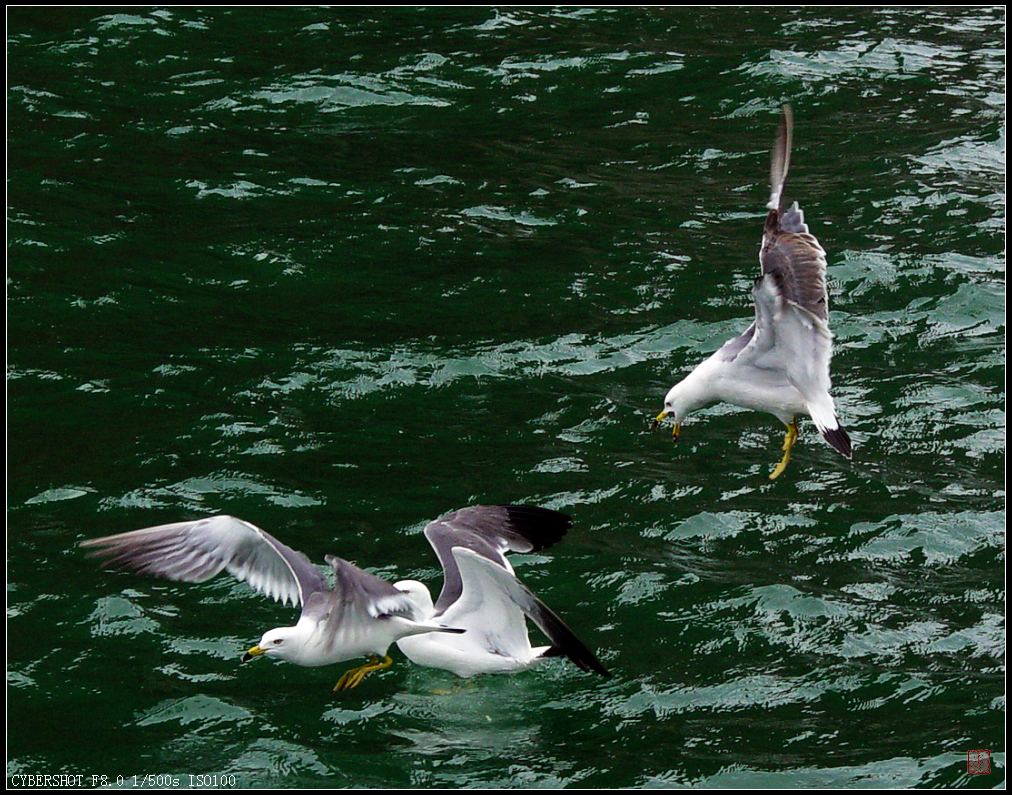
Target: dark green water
{"x":337,"y":272}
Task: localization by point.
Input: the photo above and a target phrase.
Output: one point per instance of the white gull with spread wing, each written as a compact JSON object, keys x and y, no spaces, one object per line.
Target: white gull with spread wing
{"x":482,"y":594}
{"x":780,"y":364}
{"x":360,"y":616}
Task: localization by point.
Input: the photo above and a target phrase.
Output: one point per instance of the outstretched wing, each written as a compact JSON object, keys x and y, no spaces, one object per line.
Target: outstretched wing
{"x":793,"y":277}
{"x":792,"y":304}
{"x":790,"y":256}
{"x":493,"y":605}
{"x":196,"y":551}
{"x":800,"y":341}
{"x":490,"y":531}
{"x":349,"y":614}
{"x":794,"y":259}
{"x":357,"y":593}
{"x":791,"y":330}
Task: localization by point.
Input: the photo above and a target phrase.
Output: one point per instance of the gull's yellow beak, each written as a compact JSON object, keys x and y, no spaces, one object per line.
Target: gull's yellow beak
{"x":674,"y":431}
{"x":256,"y":651}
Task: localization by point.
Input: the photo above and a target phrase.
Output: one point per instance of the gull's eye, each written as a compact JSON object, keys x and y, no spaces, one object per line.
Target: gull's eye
{"x":277,"y":641}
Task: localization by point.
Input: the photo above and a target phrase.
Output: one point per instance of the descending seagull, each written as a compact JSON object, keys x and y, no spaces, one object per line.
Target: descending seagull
{"x":780,"y":364}
{"x":482,"y":595}
{"x":359,"y":617}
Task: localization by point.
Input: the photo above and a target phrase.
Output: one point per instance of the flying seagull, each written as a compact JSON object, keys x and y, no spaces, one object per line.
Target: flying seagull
{"x":780,"y":364}
{"x":360,"y":616}
{"x":482,"y":595}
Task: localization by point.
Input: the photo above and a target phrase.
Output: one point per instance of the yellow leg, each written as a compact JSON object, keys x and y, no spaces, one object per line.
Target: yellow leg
{"x":354,"y":677}
{"x":789,"y":440}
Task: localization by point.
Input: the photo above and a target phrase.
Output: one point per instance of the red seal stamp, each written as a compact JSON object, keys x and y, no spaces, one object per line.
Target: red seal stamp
{"x":978,"y":762}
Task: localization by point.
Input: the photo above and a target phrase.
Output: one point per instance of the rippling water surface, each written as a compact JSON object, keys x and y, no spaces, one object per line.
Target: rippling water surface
{"x":337,"y":271}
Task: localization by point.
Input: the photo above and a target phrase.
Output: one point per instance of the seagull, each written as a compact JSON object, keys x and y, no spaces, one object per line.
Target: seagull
{"x":780,"y":364}
{"x":482,"y":595}
{"x":360,"y":616}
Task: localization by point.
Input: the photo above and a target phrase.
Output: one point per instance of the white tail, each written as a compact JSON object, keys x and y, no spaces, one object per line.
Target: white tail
{"x":824,"y":416}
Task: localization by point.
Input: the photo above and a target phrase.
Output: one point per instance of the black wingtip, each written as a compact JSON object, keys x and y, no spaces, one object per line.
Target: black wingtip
{"x":542,"y":527}
{"x":840,"y":441}
{"x":582,"y":657}
{"x":564,"y":642}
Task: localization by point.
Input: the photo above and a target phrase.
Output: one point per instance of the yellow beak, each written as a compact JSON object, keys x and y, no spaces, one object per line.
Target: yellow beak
{"x":256,"y":651}
{"x":674,"y":431}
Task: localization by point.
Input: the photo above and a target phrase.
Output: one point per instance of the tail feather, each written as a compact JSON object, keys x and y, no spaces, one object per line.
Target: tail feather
{"x":839,"y":439}
{"x":823,"y":414}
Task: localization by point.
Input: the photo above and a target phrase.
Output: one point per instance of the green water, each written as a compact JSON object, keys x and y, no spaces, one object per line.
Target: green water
{"x":338,"y":271}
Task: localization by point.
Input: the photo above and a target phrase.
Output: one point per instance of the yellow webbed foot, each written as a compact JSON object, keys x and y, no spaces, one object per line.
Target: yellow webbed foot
{"x":789,"y":440}
{"x":354,"y":677}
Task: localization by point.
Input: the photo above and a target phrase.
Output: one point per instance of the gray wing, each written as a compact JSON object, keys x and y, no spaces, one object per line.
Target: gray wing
{"x":196,"y":551}
{"x":795,"y":261}
{"x":790,"y":254}
{"x":359,"y":599}
{"x":791,"y":339}
{"x":792,"y":308}
{"x":791,"y":289}
{"x":356,"y":591}
{"x":729,"y":350}
{"x":780,"y":158}
{"x":490,"y":531}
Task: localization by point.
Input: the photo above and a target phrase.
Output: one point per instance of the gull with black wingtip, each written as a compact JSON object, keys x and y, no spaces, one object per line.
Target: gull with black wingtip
{"x":482,"y":594}
{"x":780,"y":364}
